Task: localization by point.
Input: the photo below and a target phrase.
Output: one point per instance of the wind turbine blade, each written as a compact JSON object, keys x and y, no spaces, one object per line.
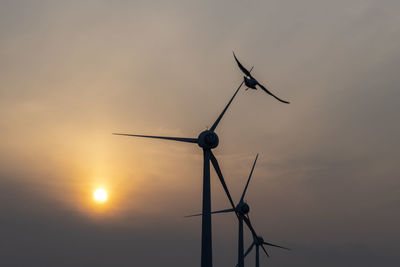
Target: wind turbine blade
{"x":262,"y":246}
{"x":194,"y":215}
{"x":213,"y":212}
{"x":248,"y":223}
{"x":273,"y":245}
{"x":268,"y":92}
{"x":180,"y":139}
{"x":223,"y":112}
{"x":248,"y":250}
{"x":248,"y":180}
{"x":221,"y":178}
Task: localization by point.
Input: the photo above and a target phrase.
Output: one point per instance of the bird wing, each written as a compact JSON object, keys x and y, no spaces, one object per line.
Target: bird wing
{"x":245,"y":71}
{"x":268,"y":92}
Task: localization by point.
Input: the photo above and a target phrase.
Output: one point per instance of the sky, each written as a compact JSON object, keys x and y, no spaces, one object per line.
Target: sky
{"x":326,"y":183}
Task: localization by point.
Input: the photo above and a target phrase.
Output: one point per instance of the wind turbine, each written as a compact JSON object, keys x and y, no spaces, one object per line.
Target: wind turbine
{"x":241,"y":209}
{"x":207,"y":140}
{"x":258,"y":242}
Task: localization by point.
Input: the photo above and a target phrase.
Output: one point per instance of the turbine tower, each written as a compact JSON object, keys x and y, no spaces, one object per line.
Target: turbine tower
{"x":241,"y":209}
{"x":207,"y":140}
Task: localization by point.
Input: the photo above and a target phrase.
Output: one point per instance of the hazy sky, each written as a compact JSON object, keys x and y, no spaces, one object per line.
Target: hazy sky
{"x":327,"y":180}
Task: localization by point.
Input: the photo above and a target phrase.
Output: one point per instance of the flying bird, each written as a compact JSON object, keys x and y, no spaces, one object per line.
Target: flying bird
{"x":251,"y":82}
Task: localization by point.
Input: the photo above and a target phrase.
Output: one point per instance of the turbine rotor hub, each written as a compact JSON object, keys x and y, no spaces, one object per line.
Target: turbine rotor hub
{"x":243,"y":208}
{"x":208,"y":139}
{"x":260,"y":240}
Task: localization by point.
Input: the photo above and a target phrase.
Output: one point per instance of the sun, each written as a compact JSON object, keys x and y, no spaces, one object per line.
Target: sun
{"x":100,"y":195}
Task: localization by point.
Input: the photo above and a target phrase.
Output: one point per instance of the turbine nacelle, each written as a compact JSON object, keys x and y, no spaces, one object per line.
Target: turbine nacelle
{"x":242,"y":208}
{"x":208,"y":139}
{"x":260,"y":240}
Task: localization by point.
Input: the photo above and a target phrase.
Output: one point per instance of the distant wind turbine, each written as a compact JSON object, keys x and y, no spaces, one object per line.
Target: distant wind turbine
{"x":241,"y":209}
{"x":251,"y":82}
{"x":207,"y":140}
{"x":258,"y":242}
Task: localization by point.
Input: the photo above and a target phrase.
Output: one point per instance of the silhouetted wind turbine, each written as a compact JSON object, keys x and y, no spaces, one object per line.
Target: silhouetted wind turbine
{"x":251,"y":82}
{"x":258,"y":242}
{"x":241,"y":209}
{"x":207,"y":140}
